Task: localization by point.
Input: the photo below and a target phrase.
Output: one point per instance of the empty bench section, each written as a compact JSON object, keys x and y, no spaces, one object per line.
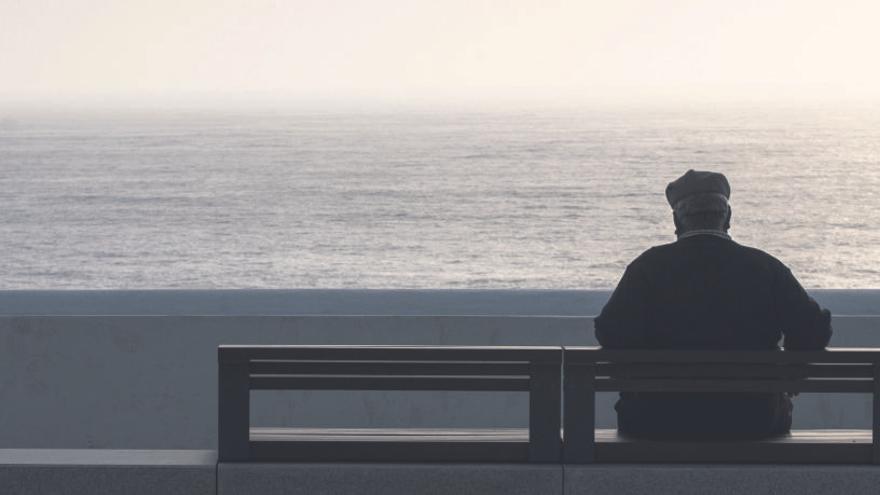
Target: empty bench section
{"x":533,"y":370}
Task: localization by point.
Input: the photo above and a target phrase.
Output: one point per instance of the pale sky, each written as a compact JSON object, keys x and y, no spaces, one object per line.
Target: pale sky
{"x":440,"y":49}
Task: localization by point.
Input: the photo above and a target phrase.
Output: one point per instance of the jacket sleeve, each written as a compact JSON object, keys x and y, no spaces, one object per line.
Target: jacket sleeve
{"x":622,"y":322}
{"x":803,"y":323}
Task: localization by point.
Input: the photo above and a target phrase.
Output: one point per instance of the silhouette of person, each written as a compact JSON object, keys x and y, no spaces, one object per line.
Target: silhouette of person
{"x":705,"y":291}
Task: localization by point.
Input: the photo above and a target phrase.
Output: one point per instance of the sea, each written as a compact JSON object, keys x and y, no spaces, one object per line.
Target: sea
{"x":421,"y":198}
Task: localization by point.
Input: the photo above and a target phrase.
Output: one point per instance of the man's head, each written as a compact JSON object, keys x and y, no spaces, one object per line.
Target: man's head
{"x":699,"y":201}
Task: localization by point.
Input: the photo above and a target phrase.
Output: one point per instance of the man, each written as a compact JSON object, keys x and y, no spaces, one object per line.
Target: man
{"x":705,"y":291}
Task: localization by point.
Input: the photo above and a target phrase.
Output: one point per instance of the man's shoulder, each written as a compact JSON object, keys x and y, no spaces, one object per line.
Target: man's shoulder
{"x":663,"y":252}
{"x":653,"y":255}
{"x":760,"y":255}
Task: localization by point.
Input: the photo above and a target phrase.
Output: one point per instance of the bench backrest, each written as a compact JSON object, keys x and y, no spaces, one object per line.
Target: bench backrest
{"x":592,"y":369}
{"x":535,"y":370}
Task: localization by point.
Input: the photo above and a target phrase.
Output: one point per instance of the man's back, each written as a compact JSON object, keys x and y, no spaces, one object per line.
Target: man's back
{"x":707,"y":292}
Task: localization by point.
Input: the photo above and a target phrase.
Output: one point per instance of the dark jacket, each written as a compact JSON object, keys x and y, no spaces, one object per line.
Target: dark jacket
{"x":708,"y":292}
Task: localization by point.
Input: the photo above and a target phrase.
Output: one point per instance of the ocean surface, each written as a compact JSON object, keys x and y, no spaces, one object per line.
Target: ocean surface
{"x":420,"y":199}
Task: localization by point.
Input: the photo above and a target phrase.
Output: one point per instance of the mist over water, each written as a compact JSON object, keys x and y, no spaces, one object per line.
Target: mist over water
{"x":431,"y":199}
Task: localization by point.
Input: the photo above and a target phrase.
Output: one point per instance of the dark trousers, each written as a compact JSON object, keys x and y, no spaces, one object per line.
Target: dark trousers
{"x":703,"y":416}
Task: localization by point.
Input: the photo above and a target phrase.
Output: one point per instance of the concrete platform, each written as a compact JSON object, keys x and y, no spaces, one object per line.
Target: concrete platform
{"x":386,"y":479}
{"x":107,"y":472}
{"x":176,"y":472}
{"x":721,"y":480}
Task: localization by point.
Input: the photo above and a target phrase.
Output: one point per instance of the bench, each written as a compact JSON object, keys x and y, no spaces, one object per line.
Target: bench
{"x":589,"y":370}
{"x":535,"y":370}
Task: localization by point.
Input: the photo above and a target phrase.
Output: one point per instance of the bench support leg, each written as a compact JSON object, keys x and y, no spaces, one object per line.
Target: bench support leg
{"x":545,"y":417}
{"x":580,"y":414}
{"x":233,"y":421}
{"x":876,"y":427}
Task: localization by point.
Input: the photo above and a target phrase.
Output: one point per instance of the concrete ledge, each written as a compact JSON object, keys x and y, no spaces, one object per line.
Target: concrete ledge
{"x":375,"y":479}
{"x":721,"y":479}
{"x":107,"y":472}
{"x":353,"y":302}
{"x":196,"y":472}
{"x":262,"y":302}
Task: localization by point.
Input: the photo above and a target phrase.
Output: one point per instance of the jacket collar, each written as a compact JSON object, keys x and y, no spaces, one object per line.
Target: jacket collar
{"x":717,"y":233}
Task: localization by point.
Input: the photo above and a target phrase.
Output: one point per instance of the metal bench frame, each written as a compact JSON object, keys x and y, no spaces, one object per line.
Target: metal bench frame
{"x":588,"y":370}
{"x":536,"y":370}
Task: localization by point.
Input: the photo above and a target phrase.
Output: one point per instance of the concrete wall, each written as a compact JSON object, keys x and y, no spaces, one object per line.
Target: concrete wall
{"x":303,"y":302}
{"x":352,"y":302}
{"x":110,"y":380}
{"x":149,"y":382}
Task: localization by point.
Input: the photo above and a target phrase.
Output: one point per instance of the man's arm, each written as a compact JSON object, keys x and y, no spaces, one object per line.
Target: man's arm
{"x":622,"y":322}
{"x":804,"y":324}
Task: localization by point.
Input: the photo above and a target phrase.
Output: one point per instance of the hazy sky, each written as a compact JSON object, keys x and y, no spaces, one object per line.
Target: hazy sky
{"x":440,"y":49}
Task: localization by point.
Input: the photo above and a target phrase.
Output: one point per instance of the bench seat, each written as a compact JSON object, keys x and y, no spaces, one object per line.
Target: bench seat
{"x":388,"y":444}
{"x":801,"y":447}
{"x":389,"y":434}
{"x":829,"y":446}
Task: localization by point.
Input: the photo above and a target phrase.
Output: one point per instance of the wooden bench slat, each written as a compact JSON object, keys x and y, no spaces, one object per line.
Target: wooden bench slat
{"x":723,"y":370}
{"x":805,"y":446}
{"x":387,"y":368}
{"x":427,"y":383}
{"x":453,"y":445}
{"x":732,"y":385}
{"x":389,"y":451}
{"x":840,"y":435}
{"x":241,"y":353}
{"x":579,"y":354}
{"x":389,"y":434}
{"x":603,"y":435}
{"x":390,"y":444}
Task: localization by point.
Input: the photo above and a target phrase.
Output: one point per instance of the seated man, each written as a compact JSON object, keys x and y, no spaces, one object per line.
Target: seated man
{"x":705,"y":291}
